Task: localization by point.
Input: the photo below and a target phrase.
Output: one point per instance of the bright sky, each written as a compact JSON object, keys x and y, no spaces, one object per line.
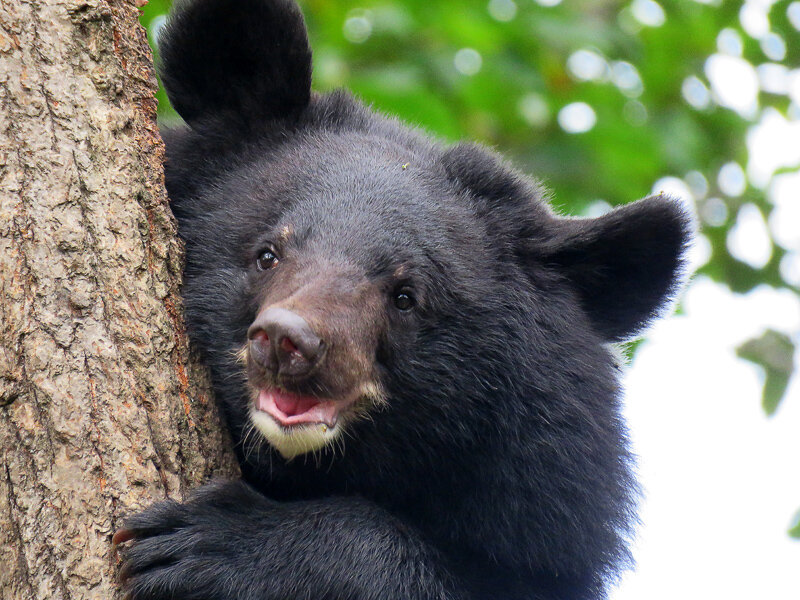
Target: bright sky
{"x":721,"y":478}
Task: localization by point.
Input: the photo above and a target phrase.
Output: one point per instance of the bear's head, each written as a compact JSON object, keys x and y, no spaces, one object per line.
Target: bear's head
{"x":398,"y":318}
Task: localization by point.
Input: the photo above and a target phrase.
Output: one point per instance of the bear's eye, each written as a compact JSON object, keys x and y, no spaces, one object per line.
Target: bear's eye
{"x":404,"y":300}
{"x":266,"y":260}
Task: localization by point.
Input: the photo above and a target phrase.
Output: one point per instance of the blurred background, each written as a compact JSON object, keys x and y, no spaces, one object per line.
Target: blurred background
{"x":607,"y":102}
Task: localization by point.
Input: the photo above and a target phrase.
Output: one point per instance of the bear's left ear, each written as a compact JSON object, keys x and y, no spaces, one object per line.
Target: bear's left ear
{"x":240,"y":62}
{"x":625,"y":265}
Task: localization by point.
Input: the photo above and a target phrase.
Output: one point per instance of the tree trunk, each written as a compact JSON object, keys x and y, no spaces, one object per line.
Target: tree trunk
{"x":101,"y":409}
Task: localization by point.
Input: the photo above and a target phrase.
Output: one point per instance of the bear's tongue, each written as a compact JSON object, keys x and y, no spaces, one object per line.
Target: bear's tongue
{"x":295,"y":409}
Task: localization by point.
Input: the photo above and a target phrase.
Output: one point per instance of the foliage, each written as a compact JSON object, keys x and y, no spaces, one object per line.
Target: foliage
{"x":508,"y":73}
{"x":794,"y":530}
{"x":774,"y":352}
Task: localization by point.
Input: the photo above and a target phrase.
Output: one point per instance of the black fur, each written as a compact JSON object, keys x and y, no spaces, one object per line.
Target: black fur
{"x":498,"y":466}
{"x":245,"y":60}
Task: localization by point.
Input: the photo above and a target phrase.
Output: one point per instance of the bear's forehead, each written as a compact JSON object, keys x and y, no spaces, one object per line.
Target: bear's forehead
{"x":354,"y":186}
{"x":361,"y":165}
{"x":356,"y":198}
{"x":372,"y":201}
{"x":378,"y":226}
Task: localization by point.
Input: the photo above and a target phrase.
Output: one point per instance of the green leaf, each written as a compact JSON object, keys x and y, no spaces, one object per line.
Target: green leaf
{"x":773,"y":352}
{"x":794,"y":528}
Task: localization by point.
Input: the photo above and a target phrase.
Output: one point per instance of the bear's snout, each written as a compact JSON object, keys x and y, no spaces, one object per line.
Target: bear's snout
{"x":284,"y":343}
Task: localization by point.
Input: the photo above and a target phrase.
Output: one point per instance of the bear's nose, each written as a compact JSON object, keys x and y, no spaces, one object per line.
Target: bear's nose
{"x":284,"y":343}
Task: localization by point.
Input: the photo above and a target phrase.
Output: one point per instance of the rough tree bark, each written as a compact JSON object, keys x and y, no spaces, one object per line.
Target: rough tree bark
{"x":100,"y":407}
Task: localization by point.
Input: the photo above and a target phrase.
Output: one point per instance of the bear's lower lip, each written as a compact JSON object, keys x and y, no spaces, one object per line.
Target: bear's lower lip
{"x":292,"y":410}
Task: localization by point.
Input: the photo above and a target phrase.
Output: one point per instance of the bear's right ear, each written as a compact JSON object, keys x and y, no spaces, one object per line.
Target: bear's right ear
{"x":239,"y":61}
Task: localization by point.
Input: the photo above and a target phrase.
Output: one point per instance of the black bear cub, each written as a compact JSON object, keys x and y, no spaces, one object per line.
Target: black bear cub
{"x":410,"y":348}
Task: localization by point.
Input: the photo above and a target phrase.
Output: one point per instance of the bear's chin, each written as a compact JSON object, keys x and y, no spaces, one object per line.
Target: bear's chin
{"x":294,"y":440}
{"x":295,"y":424}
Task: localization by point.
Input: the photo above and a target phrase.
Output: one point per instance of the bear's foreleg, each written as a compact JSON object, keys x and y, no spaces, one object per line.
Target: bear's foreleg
{"x":228,"y":542}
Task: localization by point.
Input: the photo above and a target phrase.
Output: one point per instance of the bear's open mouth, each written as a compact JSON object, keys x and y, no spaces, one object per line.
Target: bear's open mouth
{"x":291,"y":410}
{"x":295,"y":423}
